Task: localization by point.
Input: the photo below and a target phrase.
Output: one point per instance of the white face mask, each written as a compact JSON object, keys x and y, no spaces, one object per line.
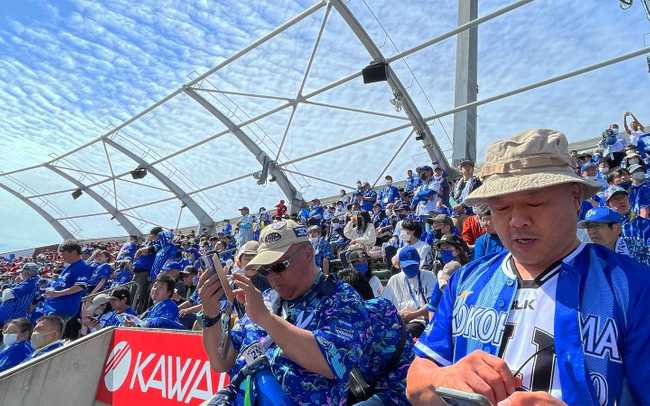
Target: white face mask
{"x":638,"y":176}
{"x":9,"y":338}
{"x":38,"y":340}
{"x":404,"y":236}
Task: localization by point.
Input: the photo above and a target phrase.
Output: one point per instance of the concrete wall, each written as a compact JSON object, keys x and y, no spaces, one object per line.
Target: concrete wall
{"x":66,"y":376}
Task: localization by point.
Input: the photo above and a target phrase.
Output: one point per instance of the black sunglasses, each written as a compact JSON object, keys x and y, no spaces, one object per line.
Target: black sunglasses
{"x":277,"y":267}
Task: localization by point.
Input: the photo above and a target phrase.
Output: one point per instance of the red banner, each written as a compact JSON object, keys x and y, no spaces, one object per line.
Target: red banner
{"x":154,"y":367}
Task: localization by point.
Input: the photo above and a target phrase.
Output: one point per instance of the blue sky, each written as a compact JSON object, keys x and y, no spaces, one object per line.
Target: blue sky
{"x":70,"y":70}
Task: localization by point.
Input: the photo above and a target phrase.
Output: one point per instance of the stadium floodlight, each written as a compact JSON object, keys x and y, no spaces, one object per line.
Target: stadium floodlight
{"x":139,"y":173}
{"x":375,"y":72}
{"x":77,"y":194}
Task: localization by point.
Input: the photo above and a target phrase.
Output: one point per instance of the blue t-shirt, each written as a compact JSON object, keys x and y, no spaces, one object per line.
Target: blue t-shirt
{"x":77,"y":273}
{"x":128,"y":250}
{"x":14,"y":354}
{"x":383,"y":341}
{"x":122,"y":277}
{"x":389,"y":194}
{"x":335,"y":314}
{"x":487,"y":244}
{"x":24,"y":294}
{"x":101,"y":271}
{"x":366,"y":205}
{"x":601,"y":319}
{"x":111,"y":319}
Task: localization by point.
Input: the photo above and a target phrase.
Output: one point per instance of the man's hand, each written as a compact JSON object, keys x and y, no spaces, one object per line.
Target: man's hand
{"x":406,"y":315}
{"x":478,"y":372}
{"x":531,"y":399}
{"x":183,"y":312}
{"x":210,"y":291}
{"x":252,"y":298}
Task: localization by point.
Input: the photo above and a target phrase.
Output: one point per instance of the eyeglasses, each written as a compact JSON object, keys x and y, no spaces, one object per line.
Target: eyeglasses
{"x":277,"y":267}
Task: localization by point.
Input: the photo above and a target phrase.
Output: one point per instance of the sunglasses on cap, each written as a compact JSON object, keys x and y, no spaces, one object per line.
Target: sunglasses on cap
{"x":277,"y":267}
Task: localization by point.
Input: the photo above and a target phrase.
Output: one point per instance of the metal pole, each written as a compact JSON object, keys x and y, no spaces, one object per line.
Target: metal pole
{"x":466,"y":87}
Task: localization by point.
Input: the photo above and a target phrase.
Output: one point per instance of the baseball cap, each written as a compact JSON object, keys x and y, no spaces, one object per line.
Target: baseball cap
{"x":119,"y":294}
{"x":603,"y":215}
{"x":442,"y":219}
{"x":426,"y":168}
{"x":249,"y":248}
{"x":466,"y":162}
{"x":275,"y":241}
{"x":172,"y":265}
{"x":450,"y":239}
{"x":98,"y":300}
{"x":30,"y":268}
{"x":612,"y":191}
{"x":244,"y":208}
{"x":409,"y":258}
{"x":635,"y":167}
{"x":586,"y":166}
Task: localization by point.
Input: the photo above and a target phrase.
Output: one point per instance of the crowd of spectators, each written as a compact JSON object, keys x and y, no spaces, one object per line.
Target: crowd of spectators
{"x":397,"y":246}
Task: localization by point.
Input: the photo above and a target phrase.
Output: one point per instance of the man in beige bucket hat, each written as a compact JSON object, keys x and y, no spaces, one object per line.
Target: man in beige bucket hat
{"x":311,"y":327}
{"x":550,"y":318}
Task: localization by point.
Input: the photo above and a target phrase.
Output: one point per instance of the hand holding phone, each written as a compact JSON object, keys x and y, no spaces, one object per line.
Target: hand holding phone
{"x":454,"y":397}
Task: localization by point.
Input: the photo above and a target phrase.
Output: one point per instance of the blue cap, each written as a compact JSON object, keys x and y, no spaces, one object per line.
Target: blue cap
{"x":426,"y":168}
{"x":172,"y":265}
{"x":409,"y":257}
{"x":614,"y":190}
{"x":603,"y":215}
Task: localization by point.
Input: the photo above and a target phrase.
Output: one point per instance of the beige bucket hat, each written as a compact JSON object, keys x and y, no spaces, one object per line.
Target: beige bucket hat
{"x":275,"y":241}
{"x":531,"y":160}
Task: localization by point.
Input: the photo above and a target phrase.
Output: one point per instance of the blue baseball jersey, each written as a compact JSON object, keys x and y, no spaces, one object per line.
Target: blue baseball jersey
{"x":163,"y":314}
{"x":322,"y":250}
{"x":23,"y":296}
{"x":128,"y":250}
{"x":339,"y":322}
{"x":366,"y":205}
{"x":111,"y":319}
{"x":389,"y":194}
{"x":77,"y":273}
{"x":388,"y":381}
{"x":121,"y":277}
{"x":14,"y":354}
{"x":639,"y":196}
{"x":487,"y":244}
{"x":601,"y":323}
{"x":101,"y":271}
{"x":635,"y":239}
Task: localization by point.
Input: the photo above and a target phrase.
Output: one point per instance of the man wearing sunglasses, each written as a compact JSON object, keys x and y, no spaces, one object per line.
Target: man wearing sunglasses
{"x":310,"y":327}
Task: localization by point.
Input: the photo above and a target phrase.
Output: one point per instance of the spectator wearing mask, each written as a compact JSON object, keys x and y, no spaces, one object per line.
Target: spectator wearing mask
{"x":639,"y":191}
{"x":636,"y":130}
{"x":17,"y":299}
{"x":632,"y":157}
{"x":603,"y":226}
{"x":450,"y":248}
{"x":410,"y":289}
{"x":441,"y":225}
{"x":164,"y":312}
{"x":16,"y":345}
{"x":422,"y":194}
{"x":549,"y":286}
{"x":410,"y":237}
{"x":102,"y":271}
{"x":63,"y":295}
{"x":246,"y":231}
{"x":601,"y":175}
{"x":369,"y":197}
{"x":128,"y":249}
{"x":47,"y":335}
{"x":377,"y":216}
{"x":317,"y":322}
{"x":361,"y":264}
{"x":488,"y":243}
{"x":227,"y":228}
{"x":120,"y":301}
{"x":439,"y":179}
{"x":322,"y":250}
{"x":635,"y":237}
{"x":165,"y":250}
{"x":388,"y":352}
{"x":464,"y":186}
{"x":361,"y":232}
{"x":412,"y":181}
{"x":389,"y":194}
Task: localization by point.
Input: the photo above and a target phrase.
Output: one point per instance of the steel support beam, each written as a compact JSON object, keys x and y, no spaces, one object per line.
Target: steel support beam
{"x":421,"y":127}
{"x":205,"y":221}
{"x":466,"y":86}
{"x":293,"y":196}
{"x":60,"y":228}
{"x":130,"y":228}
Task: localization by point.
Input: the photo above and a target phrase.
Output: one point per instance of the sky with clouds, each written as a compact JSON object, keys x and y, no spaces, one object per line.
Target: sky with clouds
{"x":71,"y":70}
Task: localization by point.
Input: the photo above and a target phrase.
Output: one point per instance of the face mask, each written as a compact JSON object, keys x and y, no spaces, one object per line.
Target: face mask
{"x":604,"y":169}
{"x":411,"y":272}
{"x":362,"y":268}
{"x":404,"y":236}
{"x":447,"y":255}
{"x":38,"y":340}
{"x":633,"y":161}
{"x":638,"y":176}
{"x":625,"y":185}
{"x":437,"y":234}
{"x":9,"y":338}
